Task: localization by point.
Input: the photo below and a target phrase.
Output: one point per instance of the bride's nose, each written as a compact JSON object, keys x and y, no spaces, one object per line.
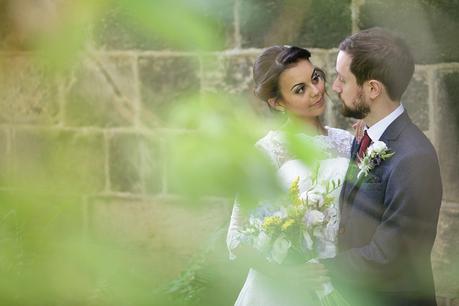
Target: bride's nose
{"x":315,"y":91}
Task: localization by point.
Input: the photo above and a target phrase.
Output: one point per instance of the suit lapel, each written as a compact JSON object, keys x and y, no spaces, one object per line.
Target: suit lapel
{"x":352,"y":184}
{"x":395,"y":128}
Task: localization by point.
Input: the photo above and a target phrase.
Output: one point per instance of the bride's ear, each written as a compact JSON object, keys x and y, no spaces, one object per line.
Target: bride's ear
{"x":274,"y":104}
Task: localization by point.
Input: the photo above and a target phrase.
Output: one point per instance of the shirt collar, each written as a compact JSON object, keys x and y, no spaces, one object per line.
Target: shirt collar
{"x":375,"y":131}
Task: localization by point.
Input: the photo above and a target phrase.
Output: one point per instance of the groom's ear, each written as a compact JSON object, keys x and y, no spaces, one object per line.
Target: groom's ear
{"x":375,"y":89}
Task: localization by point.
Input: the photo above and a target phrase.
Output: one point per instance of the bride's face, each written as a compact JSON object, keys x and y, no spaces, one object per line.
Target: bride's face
{"x":302,"y":90}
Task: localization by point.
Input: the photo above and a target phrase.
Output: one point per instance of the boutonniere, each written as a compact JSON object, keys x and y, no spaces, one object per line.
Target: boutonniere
{"x":375,"y":154}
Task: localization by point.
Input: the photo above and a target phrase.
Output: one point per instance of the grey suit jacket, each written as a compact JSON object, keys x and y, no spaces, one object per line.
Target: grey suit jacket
{"x":389,"y":220}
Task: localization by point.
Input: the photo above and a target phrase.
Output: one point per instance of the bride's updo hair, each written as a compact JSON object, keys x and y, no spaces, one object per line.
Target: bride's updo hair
{"x":270,"y":64}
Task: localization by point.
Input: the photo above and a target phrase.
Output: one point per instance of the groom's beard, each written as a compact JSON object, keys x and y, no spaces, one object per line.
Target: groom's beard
{"x":360,"y":111}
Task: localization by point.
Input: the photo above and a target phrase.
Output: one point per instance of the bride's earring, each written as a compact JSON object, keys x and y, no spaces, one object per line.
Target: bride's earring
{"x":280,"y":108}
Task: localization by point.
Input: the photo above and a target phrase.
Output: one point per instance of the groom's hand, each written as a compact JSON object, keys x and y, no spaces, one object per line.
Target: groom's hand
{"x":359,"y":128}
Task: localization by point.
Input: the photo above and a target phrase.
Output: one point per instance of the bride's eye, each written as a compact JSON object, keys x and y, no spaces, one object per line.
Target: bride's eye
{"x":317,"y":76}
{"x":299,"y":89}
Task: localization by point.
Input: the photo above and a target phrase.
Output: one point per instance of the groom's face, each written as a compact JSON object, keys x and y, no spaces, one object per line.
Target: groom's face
{"x":350,"y":93}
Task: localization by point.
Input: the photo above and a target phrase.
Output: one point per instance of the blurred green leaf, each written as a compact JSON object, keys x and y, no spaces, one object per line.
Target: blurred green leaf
{"x":219,"y":157}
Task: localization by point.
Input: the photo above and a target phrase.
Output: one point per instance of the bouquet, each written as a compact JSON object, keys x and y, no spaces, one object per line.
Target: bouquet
{"x":302,"y":228}
{"x":304,"y":225}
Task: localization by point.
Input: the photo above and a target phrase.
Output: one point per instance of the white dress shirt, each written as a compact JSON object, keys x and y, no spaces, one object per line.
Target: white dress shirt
{"x":376,"y":130}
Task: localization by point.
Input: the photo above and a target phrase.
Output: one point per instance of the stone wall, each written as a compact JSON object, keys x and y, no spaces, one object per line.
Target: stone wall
{"x":108,"y":109}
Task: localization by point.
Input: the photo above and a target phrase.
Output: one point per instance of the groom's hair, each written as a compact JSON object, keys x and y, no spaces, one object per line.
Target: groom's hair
{"x":378,"y":55}
{"x":270,"y":64}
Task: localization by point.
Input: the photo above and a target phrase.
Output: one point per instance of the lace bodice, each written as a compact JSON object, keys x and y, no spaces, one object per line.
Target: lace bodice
{"x":337,"y":143}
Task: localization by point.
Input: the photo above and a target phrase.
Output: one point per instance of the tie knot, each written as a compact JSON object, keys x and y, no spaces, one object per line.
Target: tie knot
{"x":365,"y":135}
{"x":364,"y":143}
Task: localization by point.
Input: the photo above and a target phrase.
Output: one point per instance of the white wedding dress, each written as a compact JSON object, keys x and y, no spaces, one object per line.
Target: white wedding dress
{"x":258,"y":289}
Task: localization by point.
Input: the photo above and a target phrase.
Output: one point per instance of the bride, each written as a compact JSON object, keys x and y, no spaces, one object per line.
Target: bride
{"x":286,"y":79}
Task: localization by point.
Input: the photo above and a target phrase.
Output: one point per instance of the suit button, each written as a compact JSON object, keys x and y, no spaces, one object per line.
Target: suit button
{"x":341,"y":229}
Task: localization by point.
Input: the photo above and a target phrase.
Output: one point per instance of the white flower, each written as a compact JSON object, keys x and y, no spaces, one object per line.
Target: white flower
{"x":331,"y":213}
{"x":280,"y":249}
{"x":315,"y":198}
{"x":330,"y":231}
{"x":318,"y":188}
{"x":304,"y":195}
{"x":378,"y":147}
{"x":375,"y":154}
{"x":262,"y":242}
{"x":313,"y":217}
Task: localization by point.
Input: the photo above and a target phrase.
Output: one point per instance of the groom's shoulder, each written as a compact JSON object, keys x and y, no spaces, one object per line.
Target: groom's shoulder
{"x":412,"y":144}
{"x":411,"y":138}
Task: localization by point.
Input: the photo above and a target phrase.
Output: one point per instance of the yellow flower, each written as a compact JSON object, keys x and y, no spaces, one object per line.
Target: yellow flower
{"x":271,"y":223}
{"x":287,"y":224}
{"x":294,"y":192}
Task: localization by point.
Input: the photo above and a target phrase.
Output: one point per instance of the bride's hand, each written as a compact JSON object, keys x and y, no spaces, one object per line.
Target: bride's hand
{"x":358,"y":129}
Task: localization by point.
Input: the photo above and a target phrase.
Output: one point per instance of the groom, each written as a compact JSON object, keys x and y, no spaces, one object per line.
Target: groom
{"x":389,"y":206}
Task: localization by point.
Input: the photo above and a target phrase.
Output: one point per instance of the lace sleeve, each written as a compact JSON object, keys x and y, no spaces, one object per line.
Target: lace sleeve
{"x":233,"y":238}
{"x":273,"y":146}
{"x":341,"y":141}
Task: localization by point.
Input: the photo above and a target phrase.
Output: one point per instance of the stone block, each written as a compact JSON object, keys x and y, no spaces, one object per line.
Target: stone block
{"x":446,"y":251}
{"x":28,"y":91}
{"x":415,"y":100}
{"x":231,"y":74}
{"x":121,"y":28}
{"x":166,"y":82}
{"x":312,"y":23}
{"x":58,"y":161}
{"x":166,"y":231}
{"x":446,"y":108}
{"x":429,"y":27}
{"x":135,"y":163}
{"x":156,"y":223}
{"x":102,"y":92}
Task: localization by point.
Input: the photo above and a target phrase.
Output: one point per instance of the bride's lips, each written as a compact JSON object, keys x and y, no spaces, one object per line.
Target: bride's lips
{"x":319,"y":102}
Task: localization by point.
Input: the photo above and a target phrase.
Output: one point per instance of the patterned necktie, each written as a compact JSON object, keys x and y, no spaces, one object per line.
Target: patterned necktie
{"x":364,"y":143}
